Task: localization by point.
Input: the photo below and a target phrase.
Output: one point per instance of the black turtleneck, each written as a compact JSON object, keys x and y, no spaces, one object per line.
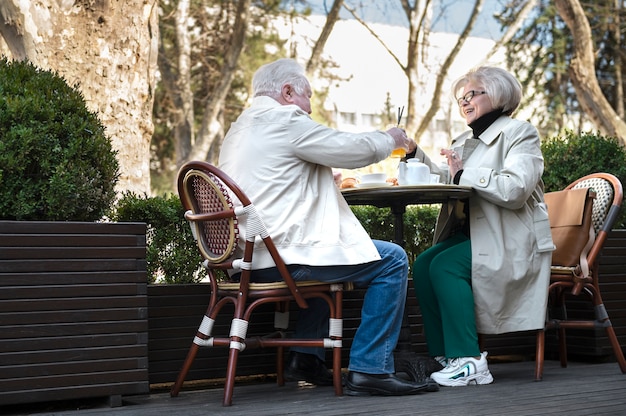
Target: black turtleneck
{"x":481,"y":124}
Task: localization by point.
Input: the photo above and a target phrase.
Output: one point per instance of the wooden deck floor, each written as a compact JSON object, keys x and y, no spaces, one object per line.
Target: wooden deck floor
{"x":580,"y":389}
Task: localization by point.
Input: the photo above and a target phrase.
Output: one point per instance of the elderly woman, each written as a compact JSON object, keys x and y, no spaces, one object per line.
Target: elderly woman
{"x":489,"y":268}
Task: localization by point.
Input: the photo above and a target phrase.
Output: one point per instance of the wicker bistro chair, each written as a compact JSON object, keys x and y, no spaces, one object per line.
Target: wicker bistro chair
{"x":568,"y":280}
{"x":207,"y":194}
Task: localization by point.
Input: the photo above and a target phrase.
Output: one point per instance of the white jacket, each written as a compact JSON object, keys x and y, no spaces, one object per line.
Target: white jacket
{"x":282,"y":160}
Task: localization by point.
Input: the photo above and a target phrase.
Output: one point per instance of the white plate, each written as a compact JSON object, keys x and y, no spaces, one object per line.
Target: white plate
{"x":373,"y":184}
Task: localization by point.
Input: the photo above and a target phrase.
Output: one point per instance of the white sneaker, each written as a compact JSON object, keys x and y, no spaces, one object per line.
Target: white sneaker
{"x":464,"y":371}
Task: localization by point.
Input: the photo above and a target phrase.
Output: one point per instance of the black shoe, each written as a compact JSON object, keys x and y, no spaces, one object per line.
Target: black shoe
{"x":418,"y":368}
{"x":361,"y":384}
{"x":309,"y":368}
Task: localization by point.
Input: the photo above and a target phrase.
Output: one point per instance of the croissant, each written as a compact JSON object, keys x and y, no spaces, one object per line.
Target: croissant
{"x":348,"y":183}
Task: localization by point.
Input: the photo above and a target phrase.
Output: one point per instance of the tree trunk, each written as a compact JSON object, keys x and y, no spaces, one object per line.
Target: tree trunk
{"x":184,"y":131}
{"x":582,"y":72}
{"x":419,"y":30}
{"x":442,"y":72}
{"x":619,"y":83}
{"x":210,"y":136}
{"x":108,"y":50}
{"x":332,"y":17}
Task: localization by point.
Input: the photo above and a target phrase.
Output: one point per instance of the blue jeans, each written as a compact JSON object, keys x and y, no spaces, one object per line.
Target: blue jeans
{"x":381,"y":315}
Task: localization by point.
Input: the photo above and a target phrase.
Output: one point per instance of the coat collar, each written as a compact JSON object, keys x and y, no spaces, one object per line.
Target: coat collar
{"x":489,"y":135}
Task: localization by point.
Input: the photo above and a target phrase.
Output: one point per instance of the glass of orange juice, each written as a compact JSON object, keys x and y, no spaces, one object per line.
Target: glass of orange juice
{"x":400,"y":152}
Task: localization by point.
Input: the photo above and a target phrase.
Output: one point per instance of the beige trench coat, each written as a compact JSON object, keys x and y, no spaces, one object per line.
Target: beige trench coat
{"x":510,"y":232}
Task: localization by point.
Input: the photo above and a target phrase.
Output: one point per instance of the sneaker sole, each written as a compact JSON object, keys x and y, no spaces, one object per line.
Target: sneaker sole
{"x":482,"y":378}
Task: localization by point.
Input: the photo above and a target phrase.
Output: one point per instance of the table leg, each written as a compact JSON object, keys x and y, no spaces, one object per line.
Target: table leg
{"x":404,"y":339}
{"x":398,"y":224}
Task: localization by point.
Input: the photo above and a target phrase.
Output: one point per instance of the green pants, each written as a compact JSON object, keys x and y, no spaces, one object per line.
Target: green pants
{"x":442,"y":276}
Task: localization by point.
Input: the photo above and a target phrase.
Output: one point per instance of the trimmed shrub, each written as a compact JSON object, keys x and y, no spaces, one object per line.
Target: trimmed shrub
{"x":419,"y":225}
{"x":570,"y":156}
{"x":55,"y":161}
{"x":172,"y":255}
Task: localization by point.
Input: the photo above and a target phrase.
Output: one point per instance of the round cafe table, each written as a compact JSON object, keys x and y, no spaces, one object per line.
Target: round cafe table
{"x":398,"y":197}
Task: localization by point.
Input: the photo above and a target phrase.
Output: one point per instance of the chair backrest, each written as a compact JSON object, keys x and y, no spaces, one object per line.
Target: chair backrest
{"x":207,"y":195}
{"x":608,"y":199}
{"x":202,"y":192}
{"x":606,"y":207}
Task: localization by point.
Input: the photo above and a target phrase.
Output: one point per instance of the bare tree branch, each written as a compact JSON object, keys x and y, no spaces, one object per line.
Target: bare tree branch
{"x":332,"y":17}
{"x":512,"y":29}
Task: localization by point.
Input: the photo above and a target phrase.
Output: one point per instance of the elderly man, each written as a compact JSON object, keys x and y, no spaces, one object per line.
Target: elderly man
{"x":283,"y":160}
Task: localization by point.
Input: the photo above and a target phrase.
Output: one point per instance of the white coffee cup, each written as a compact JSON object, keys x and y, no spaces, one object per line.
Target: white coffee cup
{"x":374,"y":178}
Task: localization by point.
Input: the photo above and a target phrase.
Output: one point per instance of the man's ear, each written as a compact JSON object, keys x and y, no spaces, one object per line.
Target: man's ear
{"x":286,"y":93}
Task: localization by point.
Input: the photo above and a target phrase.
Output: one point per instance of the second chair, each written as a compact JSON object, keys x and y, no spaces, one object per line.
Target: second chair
{"x":567,"y":282}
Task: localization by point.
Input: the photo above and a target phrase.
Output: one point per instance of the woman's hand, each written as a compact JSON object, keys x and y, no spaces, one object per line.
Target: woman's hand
{"x":454,"y":161}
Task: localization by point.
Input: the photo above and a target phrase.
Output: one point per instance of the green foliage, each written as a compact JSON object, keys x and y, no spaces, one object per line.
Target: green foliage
{"x":541,"y":51}
{"x":55,"y":161}
{"x":173,"y":257}
{"x":570,"y":155}
{"x":172,"y":254}
{"x":419,"y":225}
{"x":211,"y":33}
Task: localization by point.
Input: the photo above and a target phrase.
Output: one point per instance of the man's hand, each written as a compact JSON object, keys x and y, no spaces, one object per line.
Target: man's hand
{"x":401,"y":140}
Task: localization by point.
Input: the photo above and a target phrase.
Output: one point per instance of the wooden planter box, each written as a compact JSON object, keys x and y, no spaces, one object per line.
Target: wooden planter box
{"x":73,"y":311}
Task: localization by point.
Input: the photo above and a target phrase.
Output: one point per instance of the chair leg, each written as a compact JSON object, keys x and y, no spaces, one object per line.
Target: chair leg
{"x":540,"y":354}
{"x":229,"y":384}
{"x":337,"y":382}
{"x":562,"y":347}
{"x":617,"y":349}
{"x":280,"y":366}
{"x":193,"y":350}
{"x":337,"y":378}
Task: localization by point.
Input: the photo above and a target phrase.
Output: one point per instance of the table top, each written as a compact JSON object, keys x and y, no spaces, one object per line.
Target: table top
{"x":388,"y":196}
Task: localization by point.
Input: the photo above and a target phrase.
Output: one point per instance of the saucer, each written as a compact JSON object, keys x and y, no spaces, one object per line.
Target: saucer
{"x":373,"y":184}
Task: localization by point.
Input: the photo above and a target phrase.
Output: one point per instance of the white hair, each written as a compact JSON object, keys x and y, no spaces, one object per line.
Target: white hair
{"x":503,"y":89}
{"x":270,"y":78}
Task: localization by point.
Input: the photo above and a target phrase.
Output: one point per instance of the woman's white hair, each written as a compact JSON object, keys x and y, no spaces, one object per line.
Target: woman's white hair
{"x":270,"y":78}
{"x":503,"y":89}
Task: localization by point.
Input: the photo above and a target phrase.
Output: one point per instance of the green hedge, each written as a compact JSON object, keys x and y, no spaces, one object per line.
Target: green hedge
{"x":569,"y":156}
{"x":419,"y":225}
{"x":171,"y":255}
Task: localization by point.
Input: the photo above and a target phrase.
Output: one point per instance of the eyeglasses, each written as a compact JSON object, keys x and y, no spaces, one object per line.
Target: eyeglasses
{"x":469,"y":95}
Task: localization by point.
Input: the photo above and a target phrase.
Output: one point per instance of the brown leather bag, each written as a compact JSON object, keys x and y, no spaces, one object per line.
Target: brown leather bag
{"x":570,"y":214}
